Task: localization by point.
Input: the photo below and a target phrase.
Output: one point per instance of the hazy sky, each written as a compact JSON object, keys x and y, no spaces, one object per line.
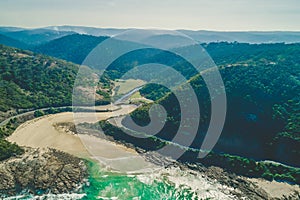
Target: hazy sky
{"x":167,"y":14}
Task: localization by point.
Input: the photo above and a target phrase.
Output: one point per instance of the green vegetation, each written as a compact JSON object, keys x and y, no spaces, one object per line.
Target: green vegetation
{"x":12,"y":42}
{"x":272,"y":86}
{"x":39,"y":113}
{"x":10,"y":127}
{"x":225,"y":53}
{"x":32,"y":37}
{"x":30,"y":81}
{"x":262,"y":87}
{"x":135,"y":58}
{"x":136,"y":95}
{"x":33,"y":81}
{"x":74,"y":48}
{"x":154,"y":91}
{"x":8,"y":149}
{"x":251,"y":168}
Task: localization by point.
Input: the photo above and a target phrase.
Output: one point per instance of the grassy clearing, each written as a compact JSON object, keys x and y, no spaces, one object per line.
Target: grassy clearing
{"x":136,"y":95}
{"x":125,"y":86}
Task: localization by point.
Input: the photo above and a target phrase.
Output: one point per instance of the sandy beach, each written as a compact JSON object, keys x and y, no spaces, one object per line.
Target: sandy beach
{"x":42,"y":133}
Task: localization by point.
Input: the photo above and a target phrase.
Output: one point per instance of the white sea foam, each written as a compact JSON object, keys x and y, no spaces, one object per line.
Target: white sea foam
{"x":195,"y":182}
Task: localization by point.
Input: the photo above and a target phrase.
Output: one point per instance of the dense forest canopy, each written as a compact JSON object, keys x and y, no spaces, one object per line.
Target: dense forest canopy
{"x":30,"y":81}
{"x":262,"y":85}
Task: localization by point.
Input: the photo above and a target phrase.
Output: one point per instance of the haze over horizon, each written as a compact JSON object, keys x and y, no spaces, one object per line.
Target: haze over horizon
{"x":224,"y":15}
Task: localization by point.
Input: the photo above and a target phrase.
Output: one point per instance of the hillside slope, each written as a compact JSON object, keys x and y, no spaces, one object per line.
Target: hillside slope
{"x":29,"y":80}
{"x":263,"y":102}
{"x":33,"y":36}
{"x":74,"y":48}
{"x":12,"y":42}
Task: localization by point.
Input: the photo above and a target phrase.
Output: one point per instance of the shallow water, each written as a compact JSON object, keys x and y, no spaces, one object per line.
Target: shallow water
{"x":164,"y":184}
{"x":171,"y":183}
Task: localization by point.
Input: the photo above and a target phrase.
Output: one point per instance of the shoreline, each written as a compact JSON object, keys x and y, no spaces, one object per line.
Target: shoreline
{"x":42,"y":133}
{"x":113,"y":155}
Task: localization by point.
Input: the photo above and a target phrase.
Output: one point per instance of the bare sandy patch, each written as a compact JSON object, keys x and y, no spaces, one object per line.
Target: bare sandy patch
{"x":41,"y":133}
{"x":116,"y":157}
{"x":48,"y":132}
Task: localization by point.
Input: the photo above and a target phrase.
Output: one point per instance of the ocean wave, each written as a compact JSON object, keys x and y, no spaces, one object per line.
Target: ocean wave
{"x":189,"y":181}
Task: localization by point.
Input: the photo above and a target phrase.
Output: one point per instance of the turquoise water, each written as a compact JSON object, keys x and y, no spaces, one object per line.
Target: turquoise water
{"x":159,"y":185}
{"x":108,"y":185}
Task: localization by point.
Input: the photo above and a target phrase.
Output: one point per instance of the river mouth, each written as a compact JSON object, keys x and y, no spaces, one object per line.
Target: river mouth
{"x":118,"y":171}
{"x":116,"y":158}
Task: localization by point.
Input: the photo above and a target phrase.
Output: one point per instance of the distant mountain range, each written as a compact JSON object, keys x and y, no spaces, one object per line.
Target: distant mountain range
{"x":244,"y":37}
{"x":32,"y":37}
{"x":87,"y":30}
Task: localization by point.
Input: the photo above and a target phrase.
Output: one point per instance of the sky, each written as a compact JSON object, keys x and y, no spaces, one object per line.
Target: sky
{"x":226,"y":15}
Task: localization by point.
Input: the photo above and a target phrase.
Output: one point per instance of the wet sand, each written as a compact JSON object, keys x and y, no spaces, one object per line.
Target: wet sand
{"x":41,"y":133}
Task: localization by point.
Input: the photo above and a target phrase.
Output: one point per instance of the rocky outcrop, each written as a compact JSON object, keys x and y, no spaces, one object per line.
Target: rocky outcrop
{"x":243,"y":187}
{"x":42,"y":171}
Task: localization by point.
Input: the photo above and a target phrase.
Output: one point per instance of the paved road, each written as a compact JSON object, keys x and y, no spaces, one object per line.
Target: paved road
{"x":28,"y":113}
{"x":125,"y":97}
{"x":119,"y":102}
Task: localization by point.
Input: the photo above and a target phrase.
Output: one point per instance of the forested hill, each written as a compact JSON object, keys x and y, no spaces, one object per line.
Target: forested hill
{"x":32,"y":37}
{"x":30,"y":80}
{"x":262,"y":85}
{"x":74,"y":48}
{"x":225,"y":53}
{"x":12,"y":42}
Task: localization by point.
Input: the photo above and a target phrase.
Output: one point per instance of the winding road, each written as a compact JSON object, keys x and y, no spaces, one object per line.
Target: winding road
{"x":53,"y":131}
{"x":106,"y":108}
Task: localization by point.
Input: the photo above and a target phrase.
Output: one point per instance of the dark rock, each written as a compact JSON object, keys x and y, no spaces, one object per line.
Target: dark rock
{"x":42,"y":170}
